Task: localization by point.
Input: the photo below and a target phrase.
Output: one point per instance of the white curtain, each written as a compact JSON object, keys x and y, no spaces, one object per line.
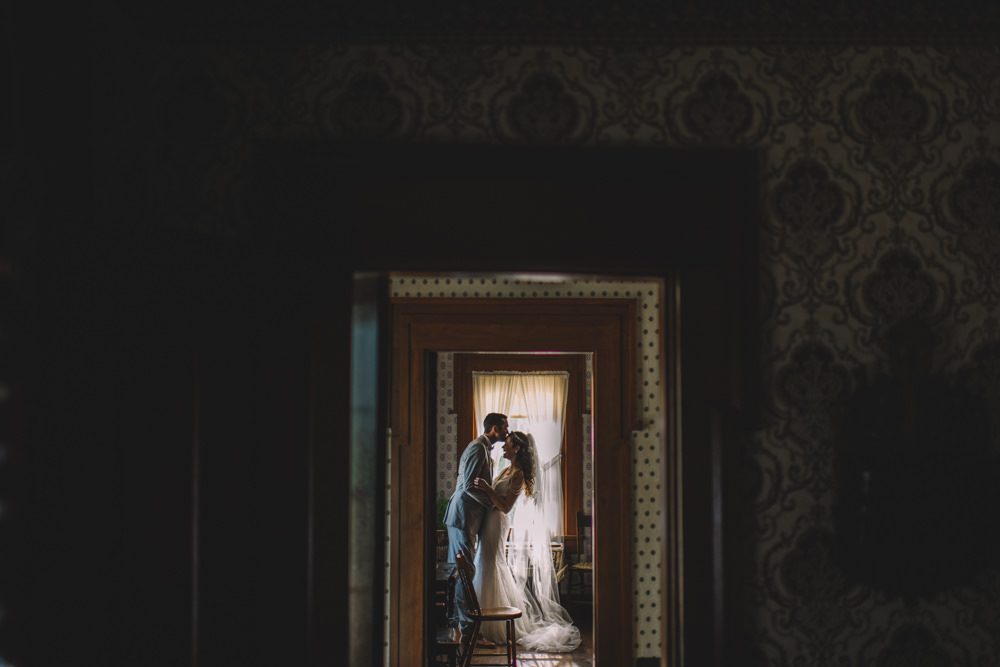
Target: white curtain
{"x":541,"y":398}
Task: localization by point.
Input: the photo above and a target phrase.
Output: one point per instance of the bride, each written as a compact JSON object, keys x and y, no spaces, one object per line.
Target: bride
{"x":521,"y":575}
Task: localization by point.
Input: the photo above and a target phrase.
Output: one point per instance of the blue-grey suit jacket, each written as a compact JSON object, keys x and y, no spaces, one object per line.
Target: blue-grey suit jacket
{"x":468,"y":504}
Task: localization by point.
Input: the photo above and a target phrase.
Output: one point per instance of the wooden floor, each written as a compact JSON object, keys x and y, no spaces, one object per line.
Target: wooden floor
{"x":583,"y":656}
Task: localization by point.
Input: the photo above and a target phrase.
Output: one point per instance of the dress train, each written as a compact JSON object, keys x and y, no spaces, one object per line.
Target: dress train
{"x":514,"y":580}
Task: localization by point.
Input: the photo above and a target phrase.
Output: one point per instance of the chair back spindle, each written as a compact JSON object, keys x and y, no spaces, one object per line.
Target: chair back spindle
{"x":465,"y":575}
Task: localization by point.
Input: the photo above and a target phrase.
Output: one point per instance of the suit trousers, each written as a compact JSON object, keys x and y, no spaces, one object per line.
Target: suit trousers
{"x":459,"y":540}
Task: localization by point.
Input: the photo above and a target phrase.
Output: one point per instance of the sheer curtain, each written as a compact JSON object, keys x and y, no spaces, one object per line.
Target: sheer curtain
{"x":541,"y":398}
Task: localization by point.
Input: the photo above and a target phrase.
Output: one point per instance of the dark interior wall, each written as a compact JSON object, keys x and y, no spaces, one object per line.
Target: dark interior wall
{"x":162,"y":513}
{"x":156,"y":441}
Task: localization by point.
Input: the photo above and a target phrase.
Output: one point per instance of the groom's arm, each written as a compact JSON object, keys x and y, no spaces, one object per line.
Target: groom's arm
{"x":471,"y":465}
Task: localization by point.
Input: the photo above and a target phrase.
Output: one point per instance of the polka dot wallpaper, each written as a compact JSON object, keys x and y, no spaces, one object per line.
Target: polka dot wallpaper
{"x":647,"y":444}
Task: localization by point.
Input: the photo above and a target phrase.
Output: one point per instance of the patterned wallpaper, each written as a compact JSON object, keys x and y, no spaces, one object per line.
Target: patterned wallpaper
{"x":880,"y":283}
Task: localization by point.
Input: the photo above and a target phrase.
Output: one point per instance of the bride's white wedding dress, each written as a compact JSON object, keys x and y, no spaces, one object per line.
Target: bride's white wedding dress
{"x":524,"y":578}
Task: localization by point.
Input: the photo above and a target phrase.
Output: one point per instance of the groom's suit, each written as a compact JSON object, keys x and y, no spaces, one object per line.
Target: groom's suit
{"x":464,"y":516}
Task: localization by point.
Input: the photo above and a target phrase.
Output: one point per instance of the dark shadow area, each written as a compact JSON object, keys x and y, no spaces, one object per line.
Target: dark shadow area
{"x":917,"y":510}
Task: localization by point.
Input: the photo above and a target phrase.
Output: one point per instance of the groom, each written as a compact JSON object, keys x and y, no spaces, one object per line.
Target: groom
{"x":468,"y":505}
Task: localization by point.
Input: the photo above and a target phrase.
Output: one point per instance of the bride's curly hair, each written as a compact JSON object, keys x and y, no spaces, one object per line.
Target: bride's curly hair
{"x":525,"y":459}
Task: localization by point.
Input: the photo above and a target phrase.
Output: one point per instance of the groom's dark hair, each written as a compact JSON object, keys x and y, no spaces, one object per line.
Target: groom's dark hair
{"x":493,"y":419}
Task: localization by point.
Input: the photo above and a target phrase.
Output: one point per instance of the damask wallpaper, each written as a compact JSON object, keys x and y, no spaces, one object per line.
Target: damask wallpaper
{"x":880,"y":280}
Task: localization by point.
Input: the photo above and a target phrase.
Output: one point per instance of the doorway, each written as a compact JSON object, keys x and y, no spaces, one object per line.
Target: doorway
{"x":604,"y":327}
{"x":546,"y":395}
{"x":521,"y":382}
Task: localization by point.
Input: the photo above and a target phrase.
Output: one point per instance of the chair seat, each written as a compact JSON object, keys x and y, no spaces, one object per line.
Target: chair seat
{"x":582,"y":566}
{"x":497,"y":613}
{"x":477,"y":614}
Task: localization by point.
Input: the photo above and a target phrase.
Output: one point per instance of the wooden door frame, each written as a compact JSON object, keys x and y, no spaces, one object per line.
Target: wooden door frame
{"x":572,"y":466}
{"x":603,"y":327}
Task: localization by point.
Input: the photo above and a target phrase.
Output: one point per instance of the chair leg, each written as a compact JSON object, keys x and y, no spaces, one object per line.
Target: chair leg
{"x":511,"y":643}
{"x":471,"y":648}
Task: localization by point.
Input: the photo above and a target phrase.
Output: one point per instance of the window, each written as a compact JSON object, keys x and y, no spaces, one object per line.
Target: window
{"x":534,"y":402}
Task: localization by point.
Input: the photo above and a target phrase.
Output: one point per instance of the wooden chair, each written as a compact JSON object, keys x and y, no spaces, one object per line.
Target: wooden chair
{"x":580,"y":569}
{"x":559,"y":565}
{"x":480,"y":616}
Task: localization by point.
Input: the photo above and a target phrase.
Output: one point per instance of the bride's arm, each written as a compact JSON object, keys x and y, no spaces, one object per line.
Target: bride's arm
{"x":502,"y":503}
